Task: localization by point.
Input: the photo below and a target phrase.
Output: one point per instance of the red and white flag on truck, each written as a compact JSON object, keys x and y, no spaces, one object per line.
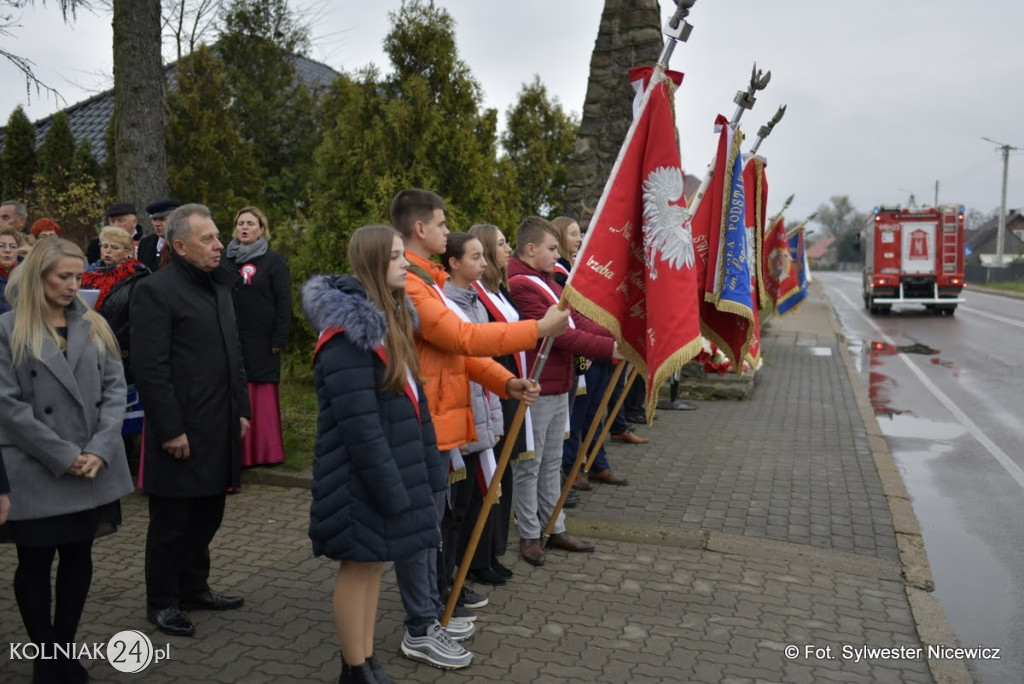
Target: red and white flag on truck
{"x":635,"y":271}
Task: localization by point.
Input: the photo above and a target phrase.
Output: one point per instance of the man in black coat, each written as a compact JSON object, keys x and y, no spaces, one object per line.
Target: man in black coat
{"x":188,"y":368}
{"x":152,"y":246}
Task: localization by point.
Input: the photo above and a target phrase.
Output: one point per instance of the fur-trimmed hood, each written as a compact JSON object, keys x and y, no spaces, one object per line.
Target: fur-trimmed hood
{"x":333,"y":301}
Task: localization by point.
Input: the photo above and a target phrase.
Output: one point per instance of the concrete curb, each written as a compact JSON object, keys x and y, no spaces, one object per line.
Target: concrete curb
{"x":932,"y":627}
{"x":277,"y":477}
{"x":994,"y":291}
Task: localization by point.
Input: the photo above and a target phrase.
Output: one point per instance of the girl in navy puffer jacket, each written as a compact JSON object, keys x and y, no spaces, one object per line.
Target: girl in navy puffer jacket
{"x":375,"y":444}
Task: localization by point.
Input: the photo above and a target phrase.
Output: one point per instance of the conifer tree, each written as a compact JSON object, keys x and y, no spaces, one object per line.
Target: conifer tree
{"x":539,"y":139}
{"x":208,"y":161}
{"x":85,"y":164}
{"x":275,"y":110}
{"x":18,"y":161}
{"x":57,"y":152}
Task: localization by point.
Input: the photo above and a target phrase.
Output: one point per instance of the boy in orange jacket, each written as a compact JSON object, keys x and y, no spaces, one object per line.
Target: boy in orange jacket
{"x":452,"y":351}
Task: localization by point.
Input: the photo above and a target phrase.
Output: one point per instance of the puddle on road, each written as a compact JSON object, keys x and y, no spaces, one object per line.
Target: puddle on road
{"x":900,"y":424}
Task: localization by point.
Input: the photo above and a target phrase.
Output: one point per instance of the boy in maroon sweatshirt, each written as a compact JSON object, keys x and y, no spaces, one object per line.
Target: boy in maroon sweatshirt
{"x":537,"y":481}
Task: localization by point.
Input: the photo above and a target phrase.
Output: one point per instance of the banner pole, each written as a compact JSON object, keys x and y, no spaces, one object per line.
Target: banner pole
{"x":492,"y":490}
{"x":584,"y":446}
{"x":630,"y":379}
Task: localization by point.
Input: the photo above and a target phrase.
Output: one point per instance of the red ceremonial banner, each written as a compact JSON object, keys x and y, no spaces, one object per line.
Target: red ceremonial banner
{"x":726,"y":326}
{"x":756,"y":183}
{"x":780,"y":276}
{"x":635,"y":274}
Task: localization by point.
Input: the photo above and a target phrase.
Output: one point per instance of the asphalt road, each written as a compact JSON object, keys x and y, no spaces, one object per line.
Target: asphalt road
{"x":947,"y":393}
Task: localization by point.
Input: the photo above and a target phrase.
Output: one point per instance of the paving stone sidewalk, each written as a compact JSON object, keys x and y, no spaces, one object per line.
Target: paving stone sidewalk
{"x":748,"y":527}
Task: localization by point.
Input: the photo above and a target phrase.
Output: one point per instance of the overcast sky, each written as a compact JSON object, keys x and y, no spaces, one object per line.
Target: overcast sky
{"x":885,"y":97}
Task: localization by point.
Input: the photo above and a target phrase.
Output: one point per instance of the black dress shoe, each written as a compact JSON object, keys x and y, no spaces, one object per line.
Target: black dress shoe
{"x":487,"y":576}
{"x":171,"y":621}
{"x":501,"y":569}
{"x":208,"y":600}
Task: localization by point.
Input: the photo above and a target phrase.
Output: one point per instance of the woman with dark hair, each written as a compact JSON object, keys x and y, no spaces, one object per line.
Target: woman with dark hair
{"x":493,"y":290}
{"x":263,"y":303}
{"x":375,"y":444}
{"x":465,"y":262}
{"x":62,"y":401}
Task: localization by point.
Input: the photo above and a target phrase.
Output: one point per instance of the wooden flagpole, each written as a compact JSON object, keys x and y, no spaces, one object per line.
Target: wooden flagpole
{"x":633,"y":372}
{"x":596,"y":448}
{"x":492,"y":490}
{"x":581,"y":454}
{"x":678,"y":30}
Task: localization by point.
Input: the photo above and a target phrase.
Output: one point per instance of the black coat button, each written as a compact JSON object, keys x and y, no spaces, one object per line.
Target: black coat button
{"x":47,"y":410}
{"x":99,"y":403}
{"x":33,"y":374}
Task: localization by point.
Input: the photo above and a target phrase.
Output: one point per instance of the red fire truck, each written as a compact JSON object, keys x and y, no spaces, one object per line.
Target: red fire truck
{"x":914,"y":256}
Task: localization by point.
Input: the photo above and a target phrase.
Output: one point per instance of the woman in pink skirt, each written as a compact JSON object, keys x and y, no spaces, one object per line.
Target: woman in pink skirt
{"x":263,"y":304}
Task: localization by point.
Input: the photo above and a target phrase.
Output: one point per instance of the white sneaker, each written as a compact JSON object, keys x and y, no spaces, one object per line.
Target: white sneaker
{"x":436,"y":648}
{"x":460,"y":629}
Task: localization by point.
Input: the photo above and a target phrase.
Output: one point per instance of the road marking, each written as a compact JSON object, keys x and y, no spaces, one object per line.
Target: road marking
{"x":998,"y":454}
{"x":994,"y":317}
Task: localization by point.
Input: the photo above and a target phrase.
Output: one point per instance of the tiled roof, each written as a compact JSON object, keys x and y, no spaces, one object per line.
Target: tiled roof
{"x":986,"y":230}
{"x":89,"y":119}
{"x":820,"y":248}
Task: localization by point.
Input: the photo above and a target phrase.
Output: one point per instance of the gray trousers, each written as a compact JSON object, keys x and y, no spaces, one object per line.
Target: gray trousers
{"x":537,"y":481}
{"x":417,"y":582}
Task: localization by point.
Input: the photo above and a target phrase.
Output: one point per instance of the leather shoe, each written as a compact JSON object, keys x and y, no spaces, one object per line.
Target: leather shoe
{"x":531,"y":551}
{"x":501,"y":569}
{"x":629,"y":437}
{"x":209,"y":600}
{"x":581,"y":484}
{"x":608,"y":477}
{"x":171,"y":621}
{"x":567,"y":542}
{"x":487,"y":576}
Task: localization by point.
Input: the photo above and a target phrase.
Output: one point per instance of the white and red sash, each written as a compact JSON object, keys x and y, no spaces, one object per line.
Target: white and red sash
{"x":456,"y":466}
{"x":542,"y":285}
{"x":503,"y":311}
{"x":382,"y":354}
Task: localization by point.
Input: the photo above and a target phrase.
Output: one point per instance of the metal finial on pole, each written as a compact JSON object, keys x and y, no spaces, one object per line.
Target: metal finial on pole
{"x":677,"y":29}
{"x":766,"y":130}
{"x":745,"y":99}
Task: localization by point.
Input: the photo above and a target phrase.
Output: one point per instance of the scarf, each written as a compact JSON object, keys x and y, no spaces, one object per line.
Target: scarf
{"x":243,"y":254}
{"x":102,"y":277}
{"x":5,"y":271}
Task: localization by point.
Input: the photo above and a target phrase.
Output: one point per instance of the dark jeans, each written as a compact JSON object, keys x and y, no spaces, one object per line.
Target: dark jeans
{"x":584,"y":409}
{"x":178,"y":547}
{"x":417,"y":582}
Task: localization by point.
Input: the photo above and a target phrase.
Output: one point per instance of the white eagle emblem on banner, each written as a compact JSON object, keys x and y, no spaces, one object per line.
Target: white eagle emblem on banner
{"x":666,"y":229}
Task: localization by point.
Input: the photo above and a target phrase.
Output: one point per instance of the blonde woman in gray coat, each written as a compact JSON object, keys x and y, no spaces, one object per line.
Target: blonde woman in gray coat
{"x":62,"y":402}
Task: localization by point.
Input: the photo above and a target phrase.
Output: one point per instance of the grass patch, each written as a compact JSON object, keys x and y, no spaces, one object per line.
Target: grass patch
{"x":1012,"y":285}
{"x":298,"y":421}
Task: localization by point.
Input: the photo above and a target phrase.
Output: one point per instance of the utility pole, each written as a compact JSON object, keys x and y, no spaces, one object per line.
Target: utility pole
{"x":1002,"y":207}
{"x":936,"y":194}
